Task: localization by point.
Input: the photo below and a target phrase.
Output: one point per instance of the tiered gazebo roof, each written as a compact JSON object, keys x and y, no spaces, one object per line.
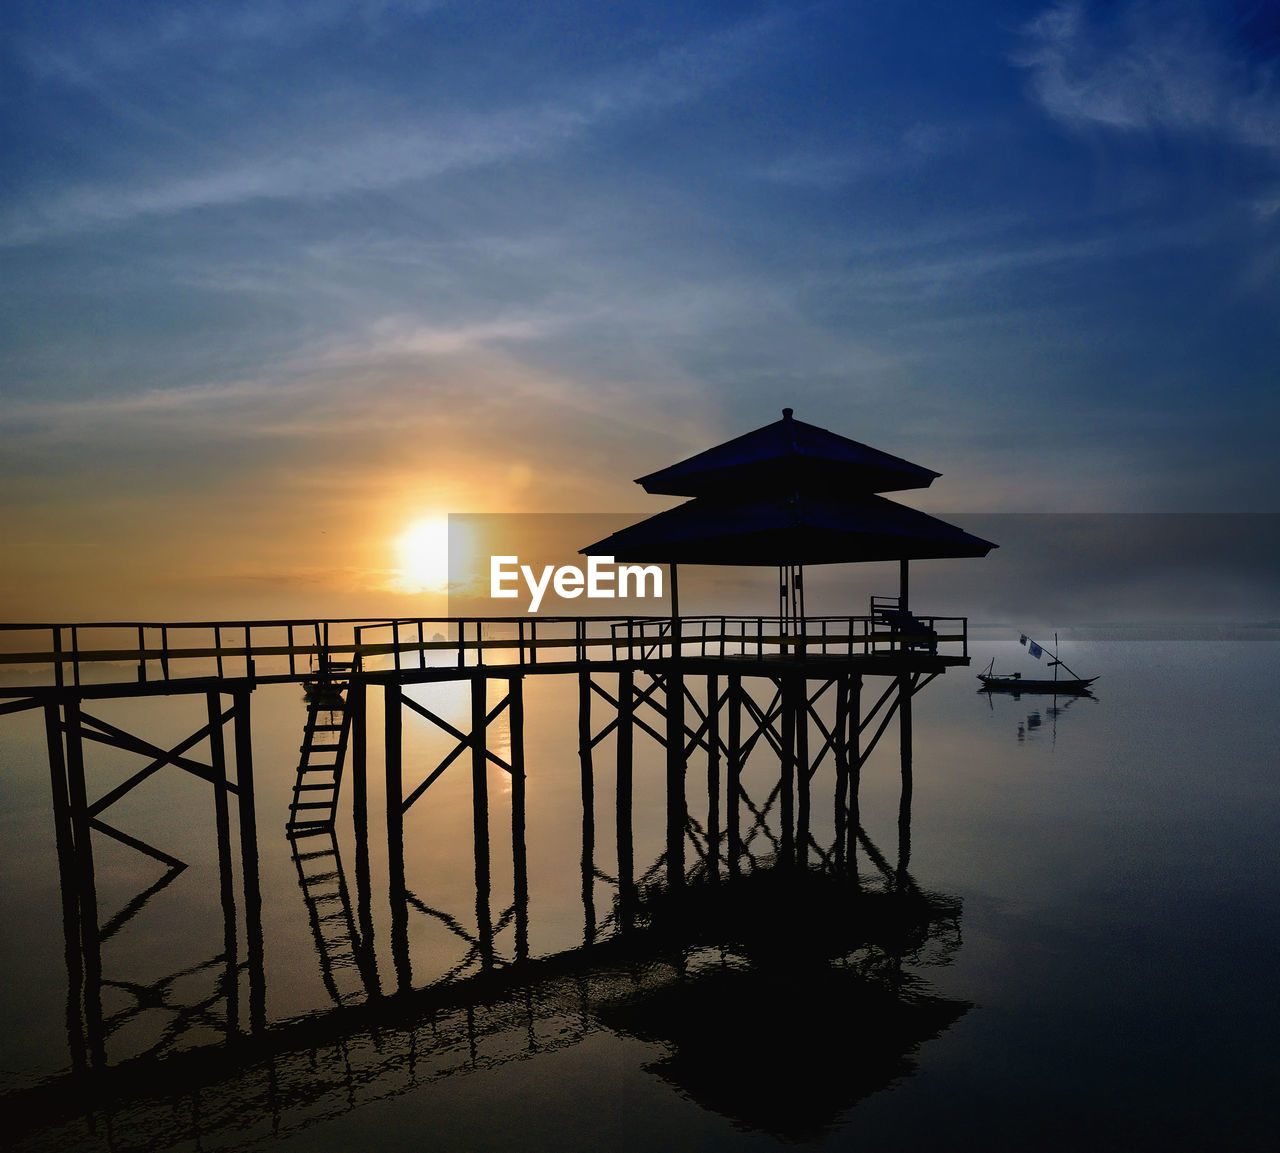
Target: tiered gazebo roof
{"x":789,"y":493}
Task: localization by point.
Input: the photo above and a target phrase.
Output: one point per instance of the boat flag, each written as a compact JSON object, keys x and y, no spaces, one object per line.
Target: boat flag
{"x":1035,"y":650}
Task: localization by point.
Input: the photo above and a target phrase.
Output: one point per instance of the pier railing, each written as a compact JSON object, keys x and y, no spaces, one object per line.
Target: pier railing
{"x":57,"y":655}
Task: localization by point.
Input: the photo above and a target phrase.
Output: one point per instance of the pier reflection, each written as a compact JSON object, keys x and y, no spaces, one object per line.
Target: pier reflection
{"x":747,"y":944}
{"x":348,"y":967}
{"x":135,"y":1009}
{"x":796,"y":999}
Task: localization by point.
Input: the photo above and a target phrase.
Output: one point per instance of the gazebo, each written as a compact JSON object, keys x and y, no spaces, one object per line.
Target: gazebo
{"x":789,"y":494}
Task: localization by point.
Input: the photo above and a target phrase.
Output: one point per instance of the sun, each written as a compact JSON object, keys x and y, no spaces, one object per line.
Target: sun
{"x":423,"y":554}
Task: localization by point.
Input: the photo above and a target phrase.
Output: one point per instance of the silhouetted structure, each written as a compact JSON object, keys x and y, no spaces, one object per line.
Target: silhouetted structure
{"x":803,"y":950}
{"x":711,"y":691}
{"x":787,"y":495}
{"x":68,"y":727}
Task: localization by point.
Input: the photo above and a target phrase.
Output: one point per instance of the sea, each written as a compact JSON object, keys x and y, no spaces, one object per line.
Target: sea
{"x":1065,"y":935}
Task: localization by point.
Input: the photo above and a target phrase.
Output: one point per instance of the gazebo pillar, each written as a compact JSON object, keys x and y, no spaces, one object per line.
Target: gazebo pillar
{"x":903,"y":584}
{"x":675,"y":609}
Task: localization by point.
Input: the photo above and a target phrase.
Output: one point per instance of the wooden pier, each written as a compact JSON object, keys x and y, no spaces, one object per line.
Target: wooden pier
{"x":813,"y":706}
{"x":733,"y":705}
{"x":707,"y":690}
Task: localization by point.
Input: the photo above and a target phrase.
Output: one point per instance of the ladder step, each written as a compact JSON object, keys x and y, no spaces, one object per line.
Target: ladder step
{"x":327,"y":787}
{"x":317,"y":853}
{"x":298,"y":829}
{"x":311,"y":805}
{"x":324,"y":728}
{"x":315,"y":748}
{"x":325,"y":900}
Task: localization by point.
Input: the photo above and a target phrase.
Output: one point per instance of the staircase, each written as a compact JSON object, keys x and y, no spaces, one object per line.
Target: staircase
{"x":323,"y":750}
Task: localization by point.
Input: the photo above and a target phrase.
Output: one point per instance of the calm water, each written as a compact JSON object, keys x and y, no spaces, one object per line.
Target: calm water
{"x":1092,"y":961}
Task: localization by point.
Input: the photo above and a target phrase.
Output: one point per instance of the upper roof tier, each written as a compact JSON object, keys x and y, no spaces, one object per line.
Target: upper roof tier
{"x":786,"y":454}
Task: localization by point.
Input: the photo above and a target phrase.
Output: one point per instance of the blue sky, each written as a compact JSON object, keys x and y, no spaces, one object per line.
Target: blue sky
{"x":282,"y":279}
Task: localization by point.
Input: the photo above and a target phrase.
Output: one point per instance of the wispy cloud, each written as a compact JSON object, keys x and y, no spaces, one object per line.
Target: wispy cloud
{"x":84,"y":51}
{"x":838,"y":167}
{"x":394,"y":376}
{"x":326,"y":162}
{"x":1145,"y":66}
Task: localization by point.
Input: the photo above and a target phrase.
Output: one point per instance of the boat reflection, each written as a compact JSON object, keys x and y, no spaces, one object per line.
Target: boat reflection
{"x":1042,"y":718}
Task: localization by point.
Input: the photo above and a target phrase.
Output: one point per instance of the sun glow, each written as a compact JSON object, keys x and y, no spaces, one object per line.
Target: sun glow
{"x":423,"y":552}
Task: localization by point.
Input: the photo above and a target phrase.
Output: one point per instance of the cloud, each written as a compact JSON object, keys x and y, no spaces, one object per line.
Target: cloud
{"x":1149,"y":67}
{"x":401,"y":337}
{"x":87,"y":49}
{"x":390,"y":382}
{"x":836,"y":168}
{"x":323,"y":163}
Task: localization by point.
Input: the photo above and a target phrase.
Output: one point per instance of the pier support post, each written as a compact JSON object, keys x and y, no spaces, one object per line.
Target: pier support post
{"x":713,"y":776}
{"x":626,"y":846}
{"x":243,"y":737}
{"x":69,"y":878}
{"x":906,"y":687}
{"x":87,"y":935}
{"x":788,"y":768}
{"x":855,"y":770}
{"x":802,"y":770}
{"x":519,"y":857}
{"x":841,"y":739}
{"x":357,"y":694}
{"x":480,"y":815}
{"x":588,"y":809}
{"x":358,"y":707}
{"x":395,"y":838}
{"x":733,"y":785}
{"x":677,"y":813}
{"x":226,"y":889}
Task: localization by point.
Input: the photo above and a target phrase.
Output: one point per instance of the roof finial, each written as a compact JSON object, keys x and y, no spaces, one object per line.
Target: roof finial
{"x":786,"y":413}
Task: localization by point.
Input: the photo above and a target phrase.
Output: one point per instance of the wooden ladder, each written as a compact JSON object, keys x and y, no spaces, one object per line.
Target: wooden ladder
{"x":322,"y":753}
{"x":343,"y":961}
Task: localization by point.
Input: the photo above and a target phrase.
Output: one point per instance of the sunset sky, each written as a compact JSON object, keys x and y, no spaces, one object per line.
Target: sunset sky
{"x":282,"y":281}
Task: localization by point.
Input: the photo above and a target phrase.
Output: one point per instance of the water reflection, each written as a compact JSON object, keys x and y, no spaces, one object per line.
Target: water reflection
{"x":348,"y":968}
{"x":153,"y":1016}
{"x":795,"y":1001}
{"x":1044,"y":716}
{"x":742,"y":948}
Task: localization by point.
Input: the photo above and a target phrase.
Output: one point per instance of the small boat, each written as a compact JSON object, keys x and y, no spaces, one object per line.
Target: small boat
{"x":1017,"y":683}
